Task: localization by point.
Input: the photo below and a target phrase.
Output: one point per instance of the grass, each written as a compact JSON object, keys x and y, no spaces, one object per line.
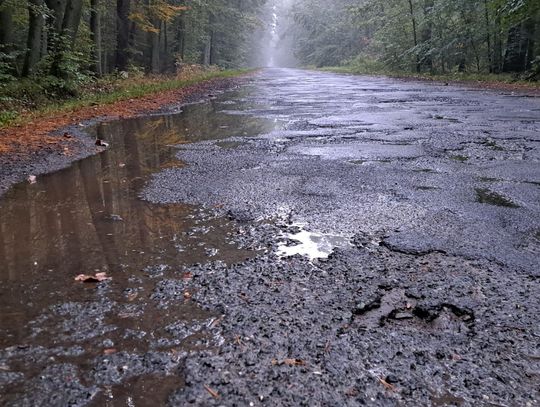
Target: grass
{"x":115,"y":91}
{"x":478,"y":78}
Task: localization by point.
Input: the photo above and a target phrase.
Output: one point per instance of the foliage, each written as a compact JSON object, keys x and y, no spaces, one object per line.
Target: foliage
{"x":436,"y":36}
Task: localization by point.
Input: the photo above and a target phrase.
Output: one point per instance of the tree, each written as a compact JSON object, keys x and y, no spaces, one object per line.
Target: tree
{"x":122,"y":37}
{"x":35,"y":29}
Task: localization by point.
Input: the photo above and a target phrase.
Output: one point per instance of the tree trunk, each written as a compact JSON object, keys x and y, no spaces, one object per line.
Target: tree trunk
{"x":415,"y":35}
{"x":497,"y":47}
{"x":122,"y":34}
{"x":488,"y":36}
{"x":181,"y":37}
{"x":516,"y":51}
{"x":531,"y":34}
{"x":68,"y":34}
{"x":154,"y":48}
{"x":212,"y":52}
{"x":95,"y":32}
{"x":58,"y":8}
{"x":35,"y":29}
{"x":6,"y":28}
{"x":427,"y":60}
{"x":72,"y":19}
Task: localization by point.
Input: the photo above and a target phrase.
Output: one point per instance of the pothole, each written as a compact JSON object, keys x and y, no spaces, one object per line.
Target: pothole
{"x":486,"y":196}
{"x":311,"y":244}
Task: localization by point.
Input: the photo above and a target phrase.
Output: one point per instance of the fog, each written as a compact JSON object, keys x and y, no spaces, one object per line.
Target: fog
{"x":274,"y":47}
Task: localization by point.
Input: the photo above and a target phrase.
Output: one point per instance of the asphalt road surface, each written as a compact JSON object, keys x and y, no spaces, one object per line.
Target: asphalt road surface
{"x":324,"y":240}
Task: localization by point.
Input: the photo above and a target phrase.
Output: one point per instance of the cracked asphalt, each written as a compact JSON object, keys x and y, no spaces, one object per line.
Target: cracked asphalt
{"x":430,"y":297}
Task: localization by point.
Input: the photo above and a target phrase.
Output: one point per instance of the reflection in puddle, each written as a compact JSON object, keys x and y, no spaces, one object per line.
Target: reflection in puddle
{"x":88,"y":219}
{"x":312,"y":245}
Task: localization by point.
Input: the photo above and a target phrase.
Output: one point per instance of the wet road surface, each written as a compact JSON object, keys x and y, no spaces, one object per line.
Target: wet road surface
{"x":414,"y":210}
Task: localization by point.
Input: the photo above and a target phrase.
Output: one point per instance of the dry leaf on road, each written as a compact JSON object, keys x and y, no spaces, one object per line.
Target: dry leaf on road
{"x":97,"y":278}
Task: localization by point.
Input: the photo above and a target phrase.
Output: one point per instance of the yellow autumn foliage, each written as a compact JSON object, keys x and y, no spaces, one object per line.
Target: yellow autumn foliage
{"x":148,"y":16}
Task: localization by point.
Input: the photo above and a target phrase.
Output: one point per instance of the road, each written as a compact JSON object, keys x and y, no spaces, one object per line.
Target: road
{"x":359,"y":241}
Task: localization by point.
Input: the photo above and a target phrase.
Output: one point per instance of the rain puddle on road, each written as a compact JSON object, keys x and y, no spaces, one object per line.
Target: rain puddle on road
{"x":311,"y":244}
{"x":87,"y":219}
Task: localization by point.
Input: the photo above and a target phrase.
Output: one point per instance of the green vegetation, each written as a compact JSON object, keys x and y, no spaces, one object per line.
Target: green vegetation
{"x":56,"y":50}
{"x":461,"y":39}
{"x":465,"y":77}
{"x":106,"y":91}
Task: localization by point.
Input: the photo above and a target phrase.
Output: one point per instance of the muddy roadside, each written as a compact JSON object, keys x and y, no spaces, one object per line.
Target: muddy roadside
{"x":53,"y":143}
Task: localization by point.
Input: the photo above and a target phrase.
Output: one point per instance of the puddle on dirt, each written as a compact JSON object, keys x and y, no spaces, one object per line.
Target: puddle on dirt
{"x":486,"y":196}
{"x":87,"y":219}
{"x":311,"y":245}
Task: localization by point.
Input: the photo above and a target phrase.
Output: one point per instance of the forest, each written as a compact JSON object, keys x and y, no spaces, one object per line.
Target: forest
{"x":59,"y":49}
{"x":433,"y":36}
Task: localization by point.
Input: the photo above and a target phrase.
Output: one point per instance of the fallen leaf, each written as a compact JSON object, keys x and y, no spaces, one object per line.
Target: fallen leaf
{"x":187,"y":276}
{"x":109,"y":351}
{"x":212,"y":392}
{"x":187,"y":295}
{"x":387,"y":385}
{"x":32,"y":179}
{"x":131,"y":297}
{"x":294,"y":362}
{"x":98,"y":277}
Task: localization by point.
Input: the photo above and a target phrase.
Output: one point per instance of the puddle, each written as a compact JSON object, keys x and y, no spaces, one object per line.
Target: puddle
{"x":360,"y":151}
{"x":460,"y":158}
{"x":486,"y":196}
{"x":489,"y":179}
{"x":447,"y":400}
{"x":312,"y":245}
{"x":141,"y":391}
{"x":87,"y":219}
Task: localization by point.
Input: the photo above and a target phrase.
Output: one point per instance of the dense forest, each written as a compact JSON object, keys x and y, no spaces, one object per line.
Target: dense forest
{"x":433,"y":36}
{"x":72,"y":40}
{"x":61,"y":45}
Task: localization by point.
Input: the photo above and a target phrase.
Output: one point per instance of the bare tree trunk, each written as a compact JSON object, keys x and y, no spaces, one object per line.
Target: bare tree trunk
{"x":497,"y":47}
{"x":488,"y":37}
{"x":58,"y":8}
{"x":122,"y":34}
{"x":532,"y":32}
{"x":427,"y":60}
{"x":72,"y":19}
{"x":95,"y":30}
{"x":6,"y":28}
{"x":415,"y":35}
{"x":516,"y":52}
{"x":35,"y":29}
{"x":68,"y":35}
{"x":154,"y":48}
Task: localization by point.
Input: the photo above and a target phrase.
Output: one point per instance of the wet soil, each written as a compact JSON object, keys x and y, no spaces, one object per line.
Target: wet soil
{"x":310,"y":239}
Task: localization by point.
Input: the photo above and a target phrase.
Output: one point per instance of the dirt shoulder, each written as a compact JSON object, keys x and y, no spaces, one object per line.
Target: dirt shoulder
{"x":489,"y":82}
{"x":50,"y":142}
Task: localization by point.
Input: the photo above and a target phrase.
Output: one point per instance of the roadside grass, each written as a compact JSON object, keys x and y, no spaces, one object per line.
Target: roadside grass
{"x":456,"y":77}
{"x":108,"y":91}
